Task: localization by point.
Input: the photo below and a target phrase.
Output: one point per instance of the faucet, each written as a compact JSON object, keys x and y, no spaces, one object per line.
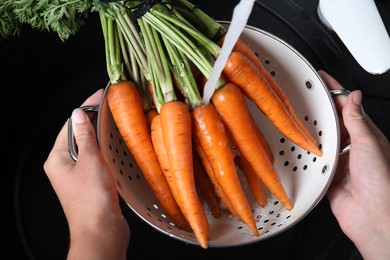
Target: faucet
{"x":360,"y":27}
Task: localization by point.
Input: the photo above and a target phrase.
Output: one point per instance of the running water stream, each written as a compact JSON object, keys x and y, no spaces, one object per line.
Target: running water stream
{"x":239,"y":20}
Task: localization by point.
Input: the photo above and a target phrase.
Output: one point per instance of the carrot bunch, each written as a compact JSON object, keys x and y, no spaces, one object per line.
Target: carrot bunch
{"x":190,"y":150}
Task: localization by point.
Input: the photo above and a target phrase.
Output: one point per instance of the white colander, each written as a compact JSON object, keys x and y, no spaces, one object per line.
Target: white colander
{"x":305,"y":176}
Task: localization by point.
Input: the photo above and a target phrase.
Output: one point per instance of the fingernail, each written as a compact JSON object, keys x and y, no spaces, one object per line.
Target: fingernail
{"x":78,"y":116}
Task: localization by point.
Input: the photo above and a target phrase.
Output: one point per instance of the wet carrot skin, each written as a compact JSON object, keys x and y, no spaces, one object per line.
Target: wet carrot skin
{"x":232,"y":107}
{"x":245,"y":75}
{"x":209,"y":170}
{"x":210,"y":132}
{"x":176,"y":126}
{"x":205,"y":186}
{"x":246,"y":51}
{"x":254,"y":181}
{"x":242,"y":47}
{"x":159,"y":147}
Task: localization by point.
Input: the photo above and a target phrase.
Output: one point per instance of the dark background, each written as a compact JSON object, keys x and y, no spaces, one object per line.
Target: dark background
{"x":43,"y":79}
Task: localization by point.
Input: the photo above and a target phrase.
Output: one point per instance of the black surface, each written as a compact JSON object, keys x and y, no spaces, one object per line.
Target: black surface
{"x":43,"y":79}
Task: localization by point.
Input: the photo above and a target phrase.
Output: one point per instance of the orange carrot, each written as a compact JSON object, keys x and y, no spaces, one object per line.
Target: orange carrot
{"x":210,"y":132}
{"x":262,"y":139}
{"x":240,"y":71}
{"x":254,"y":181}
{"x":126,"y":107}
{"x":150,"y":116}
{"x":177,"y":135}
{"x":217,"y":188}
{"x":205,"y":186}
{"x":232,"y":107}
{"x":242,"y":47}
{"x":158,"y":143}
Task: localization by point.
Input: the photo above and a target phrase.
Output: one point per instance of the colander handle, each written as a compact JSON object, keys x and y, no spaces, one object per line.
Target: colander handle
{"x":71,"y":140}
{"x":345,"y":92}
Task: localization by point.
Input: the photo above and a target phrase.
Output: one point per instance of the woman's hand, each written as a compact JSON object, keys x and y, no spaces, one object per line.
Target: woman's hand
{"x":87,"y":192}
{"x":360,"y":193}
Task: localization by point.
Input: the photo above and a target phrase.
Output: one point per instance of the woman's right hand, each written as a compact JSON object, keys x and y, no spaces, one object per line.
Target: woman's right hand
{"x":360,"y":192}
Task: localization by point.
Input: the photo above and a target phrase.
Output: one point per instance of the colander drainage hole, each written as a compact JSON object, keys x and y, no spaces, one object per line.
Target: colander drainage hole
{"x":309,"y":84}
{"x":324,"y":169}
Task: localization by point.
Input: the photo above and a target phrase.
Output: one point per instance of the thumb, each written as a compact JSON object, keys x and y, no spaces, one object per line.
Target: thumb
{"x":353,"y":115}
{"x":84,"y":133}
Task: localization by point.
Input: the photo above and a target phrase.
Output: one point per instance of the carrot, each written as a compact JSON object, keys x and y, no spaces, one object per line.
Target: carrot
{"x":158,"y":143}
{"x":254,"y":181}
{"x":210,"y":131}
{"x":150,"y":115}
{"x":262,"y":139}
{"x":240,"y":71}
{"x":177,"y":135}
{"x":217,"y":188}
{"x":205,"y":186}
{"x":126,"y":107}
{"x":232,"y":107}
{"x":242,"y":47}
{"x":259,"y":133}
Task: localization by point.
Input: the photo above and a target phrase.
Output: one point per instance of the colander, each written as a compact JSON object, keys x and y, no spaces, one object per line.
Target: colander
{"x":305,"y":176}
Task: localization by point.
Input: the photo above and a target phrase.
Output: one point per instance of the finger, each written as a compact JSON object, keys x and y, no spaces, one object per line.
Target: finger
{"x":59,"y":155}
{"x":93,"y":100}
{"x":354,"y":119}
{"x":84,"y":134}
